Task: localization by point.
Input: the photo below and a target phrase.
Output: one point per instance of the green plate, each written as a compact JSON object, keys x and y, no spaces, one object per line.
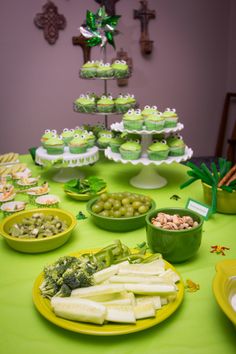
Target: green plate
{"x":109,"y":329}
{"x":85,"y":196}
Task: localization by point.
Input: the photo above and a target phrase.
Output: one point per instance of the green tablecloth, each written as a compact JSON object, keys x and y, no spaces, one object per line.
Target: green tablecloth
{"x":198,"y":326}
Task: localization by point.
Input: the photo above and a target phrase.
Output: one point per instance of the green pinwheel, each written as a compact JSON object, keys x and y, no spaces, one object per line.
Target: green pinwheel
{"x":99,"y":28}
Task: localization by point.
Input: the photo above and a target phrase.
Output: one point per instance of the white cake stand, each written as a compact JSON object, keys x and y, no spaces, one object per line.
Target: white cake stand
{"x":148,"y":177}
{"x":67,"y":163}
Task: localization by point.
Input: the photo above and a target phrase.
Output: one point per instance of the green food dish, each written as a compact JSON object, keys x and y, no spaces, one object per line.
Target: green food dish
{"x":226,"y":201}
{"x":105,"y":104}
{"x":158,"y":151}
{"x":37,"y":245}
{"x":176,"y":145}
{"x":54,"y":146}
{"x":174,"y":245}
{"x":130,"y":150}
{"x":120,"y":68}
{"x":124,"y":224}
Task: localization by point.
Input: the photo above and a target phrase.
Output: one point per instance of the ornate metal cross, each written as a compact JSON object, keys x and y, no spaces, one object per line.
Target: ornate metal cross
{"x":50,"y":21}
{"x":144,"y":15}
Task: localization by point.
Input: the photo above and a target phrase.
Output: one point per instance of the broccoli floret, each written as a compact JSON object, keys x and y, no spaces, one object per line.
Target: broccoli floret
{"x":49,"y":288}
{"x":64,"y":291}
{"x":75,"y":278}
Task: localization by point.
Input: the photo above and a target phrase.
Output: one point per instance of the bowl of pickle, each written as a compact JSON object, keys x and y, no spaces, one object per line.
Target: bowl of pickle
{"x":120,"y":212}
{"x":38,"y":230}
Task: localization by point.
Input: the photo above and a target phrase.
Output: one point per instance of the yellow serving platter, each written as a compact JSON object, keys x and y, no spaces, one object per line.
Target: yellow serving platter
{"x":224,"y":287}
{"x":44,"y":307}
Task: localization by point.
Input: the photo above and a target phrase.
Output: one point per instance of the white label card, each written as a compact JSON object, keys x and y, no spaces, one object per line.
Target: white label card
{"x":200,"y":208}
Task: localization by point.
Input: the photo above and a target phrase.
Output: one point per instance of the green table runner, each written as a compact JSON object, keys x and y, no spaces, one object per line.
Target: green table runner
{"x":198,"y":326}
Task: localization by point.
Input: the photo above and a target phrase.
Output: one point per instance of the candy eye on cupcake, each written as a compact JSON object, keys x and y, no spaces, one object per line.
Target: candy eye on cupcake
{"x":54,"y":131}
{"x":107,"y":64}
{"x":122,"y":61}
{"x":163,"y":141}
{"x":154,"y":107}
{"x":47,"y":131}
{"x":130,"y":112}
{"x":65,"y":130}
{"x":110,"y":97}
{"x":138,"y":112}
{"x":82,"y":95}
{"x":147,"y":107}
{"x":117,"y":61}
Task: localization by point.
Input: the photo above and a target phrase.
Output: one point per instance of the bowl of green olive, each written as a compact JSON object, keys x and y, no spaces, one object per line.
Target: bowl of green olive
{"x":120,"y":212}
{"x":38,"y":230}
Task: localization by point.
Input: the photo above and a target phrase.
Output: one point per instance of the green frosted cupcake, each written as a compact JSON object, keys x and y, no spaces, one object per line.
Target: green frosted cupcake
{"x":88,"y":70}
{"x":47,"y":135}
{"x":104,"y":70}
{"x":130,"y":150}
{"x":67,"y":135}
{"x":158,"y":151}
{"x":131,"y":100}
{"x":176,"y":145}
{"x":55,"y":145}
{"x":133,"y":120}
{"x":120,"y":68}
{"x":78,"y":145}
{"x":115,"y":143}
{"x":90,"y":137}
{"x":154,"y":121}
{"x":123,"y":103}
{"x":104,"y":140}
{"x":85,"y":104}
{"x":171,"y":118}
{"x":149,"y":111}
{"x":105,"y":104}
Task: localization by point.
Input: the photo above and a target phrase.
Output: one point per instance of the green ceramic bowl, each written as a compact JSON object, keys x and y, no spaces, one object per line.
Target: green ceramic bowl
{"x":117,"y":224}
{"x":174,"y":245}
{"x":37,"y":245}
{"x":226,"y":202}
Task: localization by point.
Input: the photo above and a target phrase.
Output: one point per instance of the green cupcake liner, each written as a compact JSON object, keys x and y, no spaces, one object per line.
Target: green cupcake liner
{"x":122,"y":108}
{"x":78,"y":149}
{"x":130,"y":155}
{"x":114,"y":147}
{"x":179,"y":151}
{"x":53,"y":150}
{"x":91,"y":143}
{"x":133,"y":124}
{"x":88,"y":108}
{"x":156,"y":156}
{"x":105,"y":109}
{"x":88,"y":73}
{"x":120,"y":74}
{"x":151,"y":125}
{"x":170,"y":122}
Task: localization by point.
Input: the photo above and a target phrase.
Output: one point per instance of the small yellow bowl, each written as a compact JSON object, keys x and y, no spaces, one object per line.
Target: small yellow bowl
{"x":84,"y":197}
{"x":224,"y":287}
{"x":226,"y":202}
{"x":42,"y":244}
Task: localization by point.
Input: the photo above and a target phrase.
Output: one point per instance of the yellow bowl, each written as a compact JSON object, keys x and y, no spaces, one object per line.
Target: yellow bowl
{"x":226,"y":202}
{"x":41,"y":244}
{"x":85,"y":196}
{"x":224,"y":287}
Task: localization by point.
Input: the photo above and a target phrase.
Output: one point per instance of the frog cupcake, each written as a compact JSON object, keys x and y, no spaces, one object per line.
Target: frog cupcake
{"x":104,"y":70}
{"x":90,"y":137}
{"x":55,"y":145}
{"x":148,"y":110}
{"x":123,"y":103}
{"x":133,"y":120}
{"x":88,"y":70}
{"x":158,"y":151}
{"x":67,"y":135}
{"x":105,"y":104}
{"x":116,"y":142}
{"x":131,"y":100}
{"x":85,"y":104}
{"x":47,"y":135}
{"x":104,"y":140}
{"x":120,"y":69}
{"x":78,"y":144}
{"x":130,"y":150}
{"x":176,"y":145}
{"x":171,"y":118}
{"x":154,"y":121}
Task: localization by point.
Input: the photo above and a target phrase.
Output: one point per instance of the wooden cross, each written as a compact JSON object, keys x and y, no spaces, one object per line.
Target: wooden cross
{"x":109,"y":6}
{"x":81,"y":41}
{"x":144,"y":15}
{"x":50,"y":21}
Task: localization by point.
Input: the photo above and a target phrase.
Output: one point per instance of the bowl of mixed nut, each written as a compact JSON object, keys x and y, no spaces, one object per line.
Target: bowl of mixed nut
{"x":176,"y":233}
{"x":38,"y":230}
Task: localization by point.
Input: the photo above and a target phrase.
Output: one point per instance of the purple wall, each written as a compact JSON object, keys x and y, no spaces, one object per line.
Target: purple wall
{"x":191,"y":68}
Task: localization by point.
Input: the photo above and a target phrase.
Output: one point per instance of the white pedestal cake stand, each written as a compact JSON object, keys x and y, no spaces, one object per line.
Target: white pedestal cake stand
{"x":67,"y":163}
{"x":148,"y":177}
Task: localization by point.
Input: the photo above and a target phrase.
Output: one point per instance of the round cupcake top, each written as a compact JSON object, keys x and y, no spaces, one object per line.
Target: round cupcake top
{"x":88,"y":135}
{"x":170,"y":113}
{"x":105,"y":100}
{"x":85,"y":99}
{"x":104,"y":66}
{"x":154,"y":117}
{"x":78,"y":140}
{"x":131,"y":146}
{"x":105,"y":137}
{"x":175,"y":141}
{"x":89,"y":64}
{"x":117,"y":140}
{"x":67,"y":133}
{"x":48,"y":134}
{"x":158,"y":146}
{"x":133,"y":114}
{"x":55,"y":140}
{"x":130,"y":98}
{"x":149,"y":110}
{"x":103,"y":132}
{"x":78,"y":130}
{"x":120,"y":65}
